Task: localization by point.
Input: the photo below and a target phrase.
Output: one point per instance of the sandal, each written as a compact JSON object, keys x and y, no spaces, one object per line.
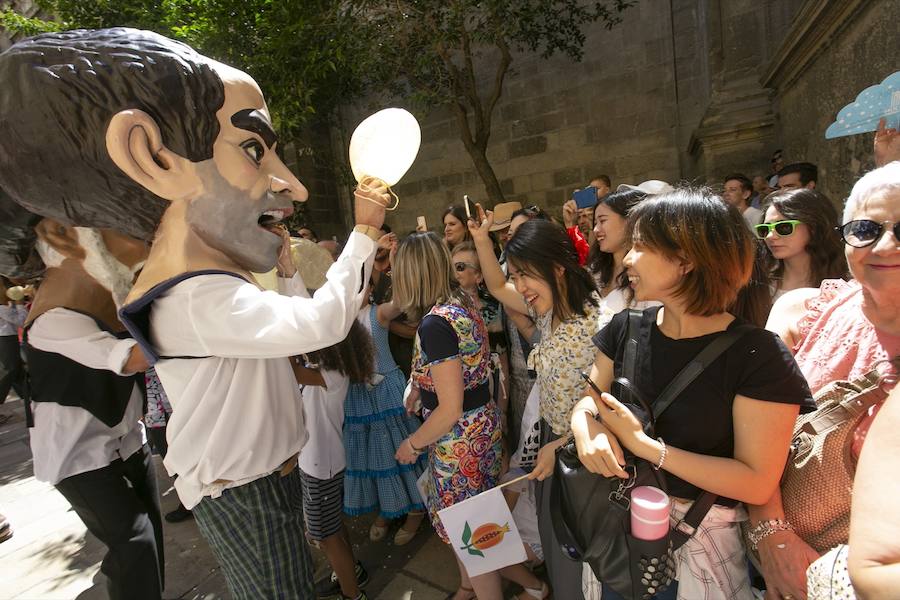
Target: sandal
{"x":378,"y":532}
{"x":541,"y":594}
{"x":404,"y":535}
{"x":452,"y":595}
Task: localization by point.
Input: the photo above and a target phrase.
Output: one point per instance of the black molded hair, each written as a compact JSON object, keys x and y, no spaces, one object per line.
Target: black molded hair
{"x":538,"y":247}
{"x":18,"y":258}
{"x":695,"y":225}
{"x":60,"y":92}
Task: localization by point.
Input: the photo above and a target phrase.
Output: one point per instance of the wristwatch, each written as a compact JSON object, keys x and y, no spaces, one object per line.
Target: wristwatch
{"x":373,"y":233}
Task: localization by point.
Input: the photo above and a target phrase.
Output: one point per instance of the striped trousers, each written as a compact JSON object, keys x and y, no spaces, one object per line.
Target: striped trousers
{"x":256,"y":533}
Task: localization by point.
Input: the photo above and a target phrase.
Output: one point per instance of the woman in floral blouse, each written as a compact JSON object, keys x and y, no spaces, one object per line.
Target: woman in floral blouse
{"x":548,"y":283}
{"x":450,"y":371}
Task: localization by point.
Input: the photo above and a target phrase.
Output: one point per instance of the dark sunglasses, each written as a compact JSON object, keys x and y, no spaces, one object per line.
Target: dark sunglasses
{"x":461,"y":266}
{"x":865,"y":232}
{"x":782,"y":228}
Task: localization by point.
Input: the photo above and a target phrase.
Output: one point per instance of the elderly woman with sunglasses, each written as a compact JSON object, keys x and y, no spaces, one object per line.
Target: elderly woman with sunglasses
{"x":802,"y":249}
{"x":838,"y":331}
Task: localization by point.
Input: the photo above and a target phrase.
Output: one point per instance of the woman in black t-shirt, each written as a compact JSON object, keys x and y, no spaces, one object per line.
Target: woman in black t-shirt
{"x":728,"y":431}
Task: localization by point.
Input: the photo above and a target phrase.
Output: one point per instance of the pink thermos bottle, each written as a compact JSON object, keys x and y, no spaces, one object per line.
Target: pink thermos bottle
{"x":649,"y":513}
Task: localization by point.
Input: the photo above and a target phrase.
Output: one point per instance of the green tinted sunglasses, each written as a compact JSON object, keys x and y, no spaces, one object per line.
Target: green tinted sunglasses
{"x":782,"y":228}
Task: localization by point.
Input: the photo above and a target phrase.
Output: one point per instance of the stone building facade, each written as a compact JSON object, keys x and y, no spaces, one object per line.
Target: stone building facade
{"x":681,"y":90}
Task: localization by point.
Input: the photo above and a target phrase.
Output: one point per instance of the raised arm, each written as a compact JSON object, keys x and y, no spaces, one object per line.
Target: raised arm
{"x":494,"y":278}
{"x":242,"y":321}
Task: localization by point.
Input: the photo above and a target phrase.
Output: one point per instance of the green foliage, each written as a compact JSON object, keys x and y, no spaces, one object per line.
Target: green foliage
{"x":26,"y":26}
{"x":307,"y":56}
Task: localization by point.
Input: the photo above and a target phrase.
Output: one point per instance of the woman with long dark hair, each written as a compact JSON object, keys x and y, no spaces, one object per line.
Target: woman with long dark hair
{"x":803,"y":248}
{"x":547,"y":283}
{"x":612,"y":241}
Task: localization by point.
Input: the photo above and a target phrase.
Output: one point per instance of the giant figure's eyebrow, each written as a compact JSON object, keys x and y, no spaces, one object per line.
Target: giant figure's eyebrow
{"x":255,"y":121}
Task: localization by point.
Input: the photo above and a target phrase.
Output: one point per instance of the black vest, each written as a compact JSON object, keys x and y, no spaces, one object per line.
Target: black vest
{"x":56,"y":378}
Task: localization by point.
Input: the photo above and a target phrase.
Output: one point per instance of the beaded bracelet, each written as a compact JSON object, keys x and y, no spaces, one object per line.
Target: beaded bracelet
{"x":662,"y":456}
{"x":764,"y":529}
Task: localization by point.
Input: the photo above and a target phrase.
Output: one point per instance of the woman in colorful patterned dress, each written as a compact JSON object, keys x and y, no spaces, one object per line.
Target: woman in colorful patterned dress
{"x":451,"y":368}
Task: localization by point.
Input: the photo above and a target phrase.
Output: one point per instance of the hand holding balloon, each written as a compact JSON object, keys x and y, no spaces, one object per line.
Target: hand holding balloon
{"x":371,"y":198}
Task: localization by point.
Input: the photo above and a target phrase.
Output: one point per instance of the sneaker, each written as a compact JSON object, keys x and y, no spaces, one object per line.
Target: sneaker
{"x":329,"y":588}
{"x":179,"y":514}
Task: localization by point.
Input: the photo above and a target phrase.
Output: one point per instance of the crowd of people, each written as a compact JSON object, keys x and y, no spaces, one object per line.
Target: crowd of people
{"x":431,"y":367}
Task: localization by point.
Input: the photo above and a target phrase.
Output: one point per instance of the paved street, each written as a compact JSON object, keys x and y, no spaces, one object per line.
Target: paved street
{"x":51,"y":555}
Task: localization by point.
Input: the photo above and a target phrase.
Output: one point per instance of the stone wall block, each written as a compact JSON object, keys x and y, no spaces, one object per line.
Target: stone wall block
{"x":431,"y":184}
{"x":438,"y":131}
{"x":527,"y":146}
{"x":553,"y":199}
{"x":451,"y":179}
{"x":408,"y":188}
{"x":567,"y":176}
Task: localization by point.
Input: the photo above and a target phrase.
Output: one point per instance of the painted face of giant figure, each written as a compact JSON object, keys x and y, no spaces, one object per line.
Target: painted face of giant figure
{"x":230,"y":201}
{"x":156,"y":128}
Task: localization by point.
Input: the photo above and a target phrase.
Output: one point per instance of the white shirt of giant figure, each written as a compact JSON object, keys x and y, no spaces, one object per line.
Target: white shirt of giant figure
{"x":237,"y":413}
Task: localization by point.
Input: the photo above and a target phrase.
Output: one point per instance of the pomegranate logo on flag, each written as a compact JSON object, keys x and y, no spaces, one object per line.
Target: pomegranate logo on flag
{"x":486,"y":536}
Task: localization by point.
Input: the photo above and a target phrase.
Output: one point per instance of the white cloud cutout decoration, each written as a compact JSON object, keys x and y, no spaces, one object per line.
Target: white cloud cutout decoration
{"x":863,"y":114}
{"x":385,"y":145}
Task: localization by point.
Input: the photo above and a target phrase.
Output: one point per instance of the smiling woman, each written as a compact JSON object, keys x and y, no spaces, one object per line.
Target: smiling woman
{"x":547,"y":282}
{"x":841,"y":332}
{"x":728,"y":431}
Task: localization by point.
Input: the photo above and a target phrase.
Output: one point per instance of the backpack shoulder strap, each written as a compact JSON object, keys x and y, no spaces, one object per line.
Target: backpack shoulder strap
{"x":699,"y":364}
{"x":631,"y":344}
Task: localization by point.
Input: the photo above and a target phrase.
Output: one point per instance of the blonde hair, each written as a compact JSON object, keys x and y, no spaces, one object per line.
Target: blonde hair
{"x":466,"y":247}
{"x":423,"y":274}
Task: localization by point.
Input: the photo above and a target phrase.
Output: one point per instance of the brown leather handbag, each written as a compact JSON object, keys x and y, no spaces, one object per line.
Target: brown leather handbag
{"x":818,"y":476}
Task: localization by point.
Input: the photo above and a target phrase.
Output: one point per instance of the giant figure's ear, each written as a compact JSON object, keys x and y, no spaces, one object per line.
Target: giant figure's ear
{"x":135,"y":144}
{"x":62,"y":238}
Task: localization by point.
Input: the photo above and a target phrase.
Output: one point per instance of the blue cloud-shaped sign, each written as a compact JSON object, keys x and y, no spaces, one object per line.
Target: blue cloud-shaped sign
{"x":873,"y":103}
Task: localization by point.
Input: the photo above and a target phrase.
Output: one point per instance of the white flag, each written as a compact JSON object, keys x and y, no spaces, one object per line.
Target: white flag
{"x":483,"y":533}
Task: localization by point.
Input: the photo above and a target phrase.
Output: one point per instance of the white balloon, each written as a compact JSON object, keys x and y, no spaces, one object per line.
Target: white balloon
{"x":385,"y":145}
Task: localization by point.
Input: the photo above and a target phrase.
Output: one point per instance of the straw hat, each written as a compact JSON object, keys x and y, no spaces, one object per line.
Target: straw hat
{"x":503,"y":213}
